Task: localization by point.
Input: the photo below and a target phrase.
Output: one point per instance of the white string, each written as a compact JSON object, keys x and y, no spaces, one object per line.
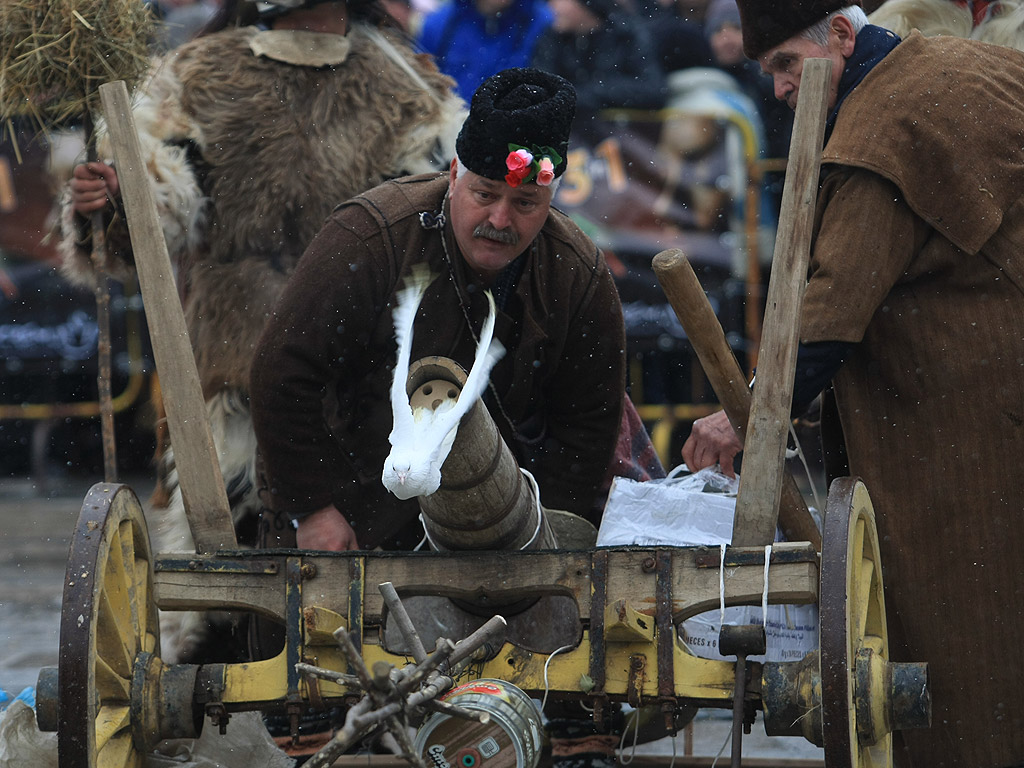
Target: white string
{"x":636,"y":737}
{"x":540,"y":519}
{"x":540,"y":510}
{"x":721,"y":587}
{"x":544,"y":701}
{"x":426,"y":536}
{"x":799,"y":451}
{"x":728,"y":736}
{"x":764,"y":594}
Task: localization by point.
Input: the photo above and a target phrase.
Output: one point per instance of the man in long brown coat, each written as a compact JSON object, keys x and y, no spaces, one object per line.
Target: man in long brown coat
{"x":914,"y":310}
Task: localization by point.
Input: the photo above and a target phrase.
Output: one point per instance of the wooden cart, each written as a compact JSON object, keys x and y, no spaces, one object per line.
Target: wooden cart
{"x":112,"y":698}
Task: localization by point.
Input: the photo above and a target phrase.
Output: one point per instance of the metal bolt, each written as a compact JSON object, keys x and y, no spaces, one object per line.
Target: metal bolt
{"x":308,"y":571}
{"x":649,"y":565}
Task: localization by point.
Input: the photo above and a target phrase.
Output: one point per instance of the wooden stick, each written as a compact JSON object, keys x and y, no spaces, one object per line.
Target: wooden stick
{"x":764,"y":454}
{"x":687,"y":297}
{"x":104,"y":374}
{"x":195,"y":455}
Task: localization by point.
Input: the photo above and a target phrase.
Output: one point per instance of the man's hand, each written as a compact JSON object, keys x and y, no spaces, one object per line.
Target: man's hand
{"x":326,"y":529}
{"x":92,"y":185}
{"x":712,"y":441}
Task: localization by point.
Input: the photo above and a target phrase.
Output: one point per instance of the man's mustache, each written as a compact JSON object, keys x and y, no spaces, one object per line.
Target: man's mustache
{"x":507,"y":236}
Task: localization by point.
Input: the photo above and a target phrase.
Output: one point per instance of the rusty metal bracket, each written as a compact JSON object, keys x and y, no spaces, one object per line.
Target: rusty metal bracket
{"x":705,"y":557}
{"x":210,"y":683}
{"x":598,"y":661}
{"x":243,"y":565}
{"x":357,"y":579}
{"x":293,"y":643}
{"x":637,"y":677}
{"x":666,"y":638}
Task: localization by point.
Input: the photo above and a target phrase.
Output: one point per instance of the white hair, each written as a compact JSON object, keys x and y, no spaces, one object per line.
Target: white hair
{"x":460,"y":170}
{"x":819,"y":31}
{"x":930,"y":17}
{"x":1005,"y":27}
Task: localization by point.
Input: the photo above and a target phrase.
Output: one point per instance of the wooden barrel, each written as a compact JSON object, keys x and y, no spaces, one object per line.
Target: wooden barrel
{"x":485,"y":501}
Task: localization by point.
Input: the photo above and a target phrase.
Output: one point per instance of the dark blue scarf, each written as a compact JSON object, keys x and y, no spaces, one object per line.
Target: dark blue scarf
{"x":872,"y":45}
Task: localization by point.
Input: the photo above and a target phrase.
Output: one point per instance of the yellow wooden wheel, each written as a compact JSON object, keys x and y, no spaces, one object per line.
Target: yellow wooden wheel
{"x":854,"y":642}
{"x":108,"y":630}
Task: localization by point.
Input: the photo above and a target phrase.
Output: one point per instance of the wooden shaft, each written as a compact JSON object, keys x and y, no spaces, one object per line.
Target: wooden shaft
{"x":484,"y":501}
{"x":104,"y":374}
{"x":689,"y":301}
{"x":195,"y":455}
{"x":757,"y":503}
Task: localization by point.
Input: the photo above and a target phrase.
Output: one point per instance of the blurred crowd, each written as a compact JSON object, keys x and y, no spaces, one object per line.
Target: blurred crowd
{"x":632,"y":62}
{"x":618,"y":53}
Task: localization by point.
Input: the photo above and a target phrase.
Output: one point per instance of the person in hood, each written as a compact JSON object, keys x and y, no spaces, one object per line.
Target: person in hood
{"x":913,"y":318}
{"x":474,"y":39}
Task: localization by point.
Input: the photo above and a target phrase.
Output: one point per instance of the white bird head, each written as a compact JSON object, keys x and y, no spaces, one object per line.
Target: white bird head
{"x":421,"y":437}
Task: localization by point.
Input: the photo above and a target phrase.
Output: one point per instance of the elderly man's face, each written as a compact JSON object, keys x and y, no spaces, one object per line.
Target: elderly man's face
{"x":785,"y":62}
{"x":493,"y":222}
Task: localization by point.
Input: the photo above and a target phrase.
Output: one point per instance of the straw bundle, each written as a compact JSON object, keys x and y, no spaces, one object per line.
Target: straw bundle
{"x":54,"y":54}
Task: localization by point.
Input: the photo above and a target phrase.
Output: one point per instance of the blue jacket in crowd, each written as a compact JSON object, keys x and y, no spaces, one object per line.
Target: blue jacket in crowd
{"x":471,"y":47}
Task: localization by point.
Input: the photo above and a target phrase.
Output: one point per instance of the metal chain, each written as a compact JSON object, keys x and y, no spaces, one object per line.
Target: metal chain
{"x":437,"y":222}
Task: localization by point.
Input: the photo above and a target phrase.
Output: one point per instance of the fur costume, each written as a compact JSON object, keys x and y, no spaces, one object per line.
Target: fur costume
{"x":248,"y":156}
{"x":1001,"y":24}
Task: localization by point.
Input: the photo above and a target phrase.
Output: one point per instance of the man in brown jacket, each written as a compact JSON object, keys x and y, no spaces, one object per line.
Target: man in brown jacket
{"x":556,"y":395}
{"x":914,"y":310}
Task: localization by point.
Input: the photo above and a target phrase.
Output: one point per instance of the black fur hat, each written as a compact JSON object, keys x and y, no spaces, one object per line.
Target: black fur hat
{"x":526,"y":109}
{"x":766,"y":23}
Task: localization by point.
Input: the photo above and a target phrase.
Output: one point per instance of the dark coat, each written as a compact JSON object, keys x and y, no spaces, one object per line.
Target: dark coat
{"x":918,"y":259}
{"x":612,"y":67}
{"x":560,"y":384}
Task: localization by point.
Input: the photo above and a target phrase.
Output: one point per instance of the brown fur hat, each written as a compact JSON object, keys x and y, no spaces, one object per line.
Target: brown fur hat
{"x":766,"y":23}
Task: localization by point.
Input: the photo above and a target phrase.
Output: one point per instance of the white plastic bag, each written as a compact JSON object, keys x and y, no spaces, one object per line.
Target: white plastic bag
{"x":676,"y":511}
{"x":698,"y":510}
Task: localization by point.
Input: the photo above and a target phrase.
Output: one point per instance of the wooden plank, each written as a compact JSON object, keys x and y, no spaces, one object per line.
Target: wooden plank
{"x":639,"y":761}
{"x":764,"y":454}
{"x":695,"y":579}
{"x":195,"y":455}
{"x":695,"y":313}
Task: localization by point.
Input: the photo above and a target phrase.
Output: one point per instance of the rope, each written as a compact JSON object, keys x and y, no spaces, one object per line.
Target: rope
{"x":547,"y":688}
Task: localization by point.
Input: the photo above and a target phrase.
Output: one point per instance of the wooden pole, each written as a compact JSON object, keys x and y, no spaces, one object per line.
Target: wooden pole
{"x":484,"y":501}
{"x":101,"y":293}
{"x":757,"y":504}
{"x":691,"y":305}
{"x":195,"y":455}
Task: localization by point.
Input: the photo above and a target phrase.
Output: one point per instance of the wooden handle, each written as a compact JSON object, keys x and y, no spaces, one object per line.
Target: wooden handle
{"x":687,"y":298}
{"x":764,"y":454}
{"x":195,"y":455}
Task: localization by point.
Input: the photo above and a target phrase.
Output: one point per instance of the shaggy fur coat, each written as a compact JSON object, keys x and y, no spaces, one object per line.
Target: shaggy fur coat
{"x":248,"y":155}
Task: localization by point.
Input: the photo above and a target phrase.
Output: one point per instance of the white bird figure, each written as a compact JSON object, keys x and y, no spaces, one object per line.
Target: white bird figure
{"x":422,"y":437}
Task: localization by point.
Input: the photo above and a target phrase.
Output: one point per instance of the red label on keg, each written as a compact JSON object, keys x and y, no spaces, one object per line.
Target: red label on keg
{"x":476,"y":687}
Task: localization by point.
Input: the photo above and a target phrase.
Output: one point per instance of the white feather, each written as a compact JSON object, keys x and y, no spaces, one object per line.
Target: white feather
{"x":421,"y":438}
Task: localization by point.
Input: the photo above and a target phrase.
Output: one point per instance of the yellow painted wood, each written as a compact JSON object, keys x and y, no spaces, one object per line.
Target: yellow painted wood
{"x":265,"y":681}
{"x":319,"y":624}
{"x":257,"y":681}
{"x":623,"y":624}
